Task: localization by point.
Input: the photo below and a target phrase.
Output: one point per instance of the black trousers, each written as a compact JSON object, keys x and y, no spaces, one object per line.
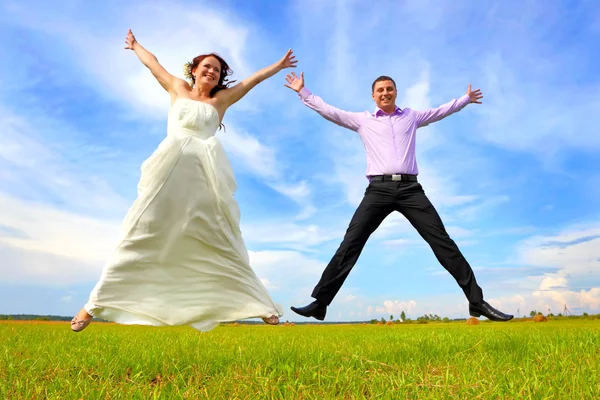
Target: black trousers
{"x":408,"y":198}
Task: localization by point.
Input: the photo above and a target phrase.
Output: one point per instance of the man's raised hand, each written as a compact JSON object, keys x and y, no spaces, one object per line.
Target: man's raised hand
{"x":294,"y":82}
{"x":474,"y":95}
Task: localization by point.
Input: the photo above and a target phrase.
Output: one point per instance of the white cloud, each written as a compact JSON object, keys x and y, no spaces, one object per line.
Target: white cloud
{"x":457,"y":231}
{"x":48,"y":230}
{"x":52,"y":246}
{"x":268,"y":284}
{"x":291,"y":273}
{"x":553,"y":282}
{"x":417,"y":95}
{"x":284,"y":264}
{"x":573,"y":256}
{"x":255,"y":156}
{"x":548,"y":301}
{"x":261,"y":160}
{"x":575,"y":300}
{"x":349,"y":298}
{"x":287,"y":234}
{"x":299,"y":192}
{"x":551,"y":129}
{"x":471,"y":212}
{"x":395,"y":307}
{"x":575,"y":251}
{"x":33,"y":165}
{"x":398,"y":226}
{"x":63,"y":217}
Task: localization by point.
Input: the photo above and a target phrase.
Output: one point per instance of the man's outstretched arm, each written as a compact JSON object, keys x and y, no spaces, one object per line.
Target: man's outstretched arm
{"x":349,"y":120}
{"x":426,"y":117}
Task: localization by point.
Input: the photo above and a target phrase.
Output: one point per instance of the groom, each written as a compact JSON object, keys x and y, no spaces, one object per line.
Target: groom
{"x":389,"y":135}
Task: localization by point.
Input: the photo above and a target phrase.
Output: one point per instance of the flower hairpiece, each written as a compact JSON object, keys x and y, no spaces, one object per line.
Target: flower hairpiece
{"x":187,"y":72}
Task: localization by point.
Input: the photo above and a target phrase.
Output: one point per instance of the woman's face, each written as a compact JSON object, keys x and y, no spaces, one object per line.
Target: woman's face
{"x":208,"y":72}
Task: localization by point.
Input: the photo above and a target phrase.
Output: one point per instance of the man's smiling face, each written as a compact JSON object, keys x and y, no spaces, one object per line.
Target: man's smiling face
{"x":384,"y":94}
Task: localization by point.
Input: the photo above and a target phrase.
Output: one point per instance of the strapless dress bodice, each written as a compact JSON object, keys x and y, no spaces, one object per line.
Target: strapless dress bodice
{"x":192,"y":117}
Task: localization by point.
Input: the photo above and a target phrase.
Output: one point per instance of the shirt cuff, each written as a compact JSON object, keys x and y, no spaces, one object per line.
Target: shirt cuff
{"x":304,"y":93}
{"x":464,"y":101}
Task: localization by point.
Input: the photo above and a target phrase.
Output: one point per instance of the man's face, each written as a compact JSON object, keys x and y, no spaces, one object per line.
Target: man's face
{"x":384,"y":95}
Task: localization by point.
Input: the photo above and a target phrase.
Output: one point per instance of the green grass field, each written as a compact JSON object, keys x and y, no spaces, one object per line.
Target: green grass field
{"x":555,"y":359}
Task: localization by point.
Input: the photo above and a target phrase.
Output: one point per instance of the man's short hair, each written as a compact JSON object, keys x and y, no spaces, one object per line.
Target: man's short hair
{"x":381,"y":79}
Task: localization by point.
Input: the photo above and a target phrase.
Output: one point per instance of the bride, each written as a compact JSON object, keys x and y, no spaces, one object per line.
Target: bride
{"x":181,"y":259}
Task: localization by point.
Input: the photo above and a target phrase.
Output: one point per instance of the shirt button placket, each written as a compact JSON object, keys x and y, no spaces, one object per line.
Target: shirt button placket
{"x":397,"y":168}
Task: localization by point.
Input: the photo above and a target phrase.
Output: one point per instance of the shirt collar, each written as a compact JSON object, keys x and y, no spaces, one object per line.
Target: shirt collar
{"x":378,"y":111}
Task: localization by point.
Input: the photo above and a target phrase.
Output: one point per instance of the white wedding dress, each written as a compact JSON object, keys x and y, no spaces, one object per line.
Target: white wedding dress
{"x":181,"y":259}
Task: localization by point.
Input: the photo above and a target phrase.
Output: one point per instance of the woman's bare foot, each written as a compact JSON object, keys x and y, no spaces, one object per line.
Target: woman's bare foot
{"x":272,"y":320}
{"x":81,"y":320}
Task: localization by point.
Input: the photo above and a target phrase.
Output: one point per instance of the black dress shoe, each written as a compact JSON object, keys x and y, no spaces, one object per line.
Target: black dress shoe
{"x":314,"y":309}
{"x":483,"y":308}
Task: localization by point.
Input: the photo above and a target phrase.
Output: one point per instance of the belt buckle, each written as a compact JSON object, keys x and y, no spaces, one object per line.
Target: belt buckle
{"x":396,"y":177}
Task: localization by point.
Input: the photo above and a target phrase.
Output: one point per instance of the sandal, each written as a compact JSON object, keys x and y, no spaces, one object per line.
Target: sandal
{"x":78,"y":324}
{"x":272,"y":320}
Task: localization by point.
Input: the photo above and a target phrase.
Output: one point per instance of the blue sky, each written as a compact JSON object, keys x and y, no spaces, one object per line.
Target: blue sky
{"x":516,"y":180}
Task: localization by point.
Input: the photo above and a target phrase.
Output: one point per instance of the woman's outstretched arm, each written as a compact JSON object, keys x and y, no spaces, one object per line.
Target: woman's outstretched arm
{"x":232,"y":95}
{"x":166,"y":80}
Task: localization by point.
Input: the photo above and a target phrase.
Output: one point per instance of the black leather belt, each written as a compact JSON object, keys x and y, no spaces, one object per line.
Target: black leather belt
{"x":398,"y":178}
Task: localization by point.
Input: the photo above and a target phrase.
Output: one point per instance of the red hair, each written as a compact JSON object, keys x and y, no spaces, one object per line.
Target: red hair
{"x":224,"y":73}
